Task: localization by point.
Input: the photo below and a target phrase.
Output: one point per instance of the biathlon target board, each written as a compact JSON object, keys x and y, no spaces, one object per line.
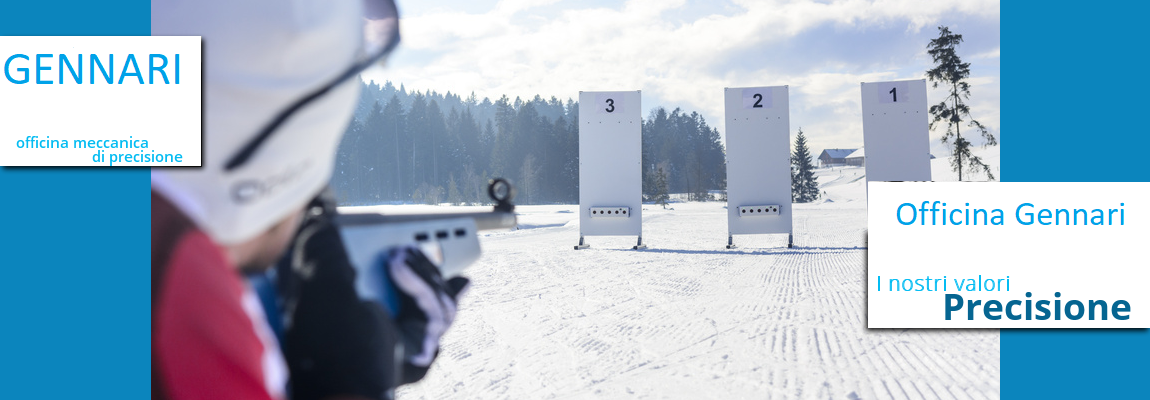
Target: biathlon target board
{"x":610,"y":163}
{"x":758,"y":160}
{"x":896,"y":136}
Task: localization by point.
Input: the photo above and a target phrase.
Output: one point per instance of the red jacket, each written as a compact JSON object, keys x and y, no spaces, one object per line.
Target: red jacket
{"x":210,"y":338}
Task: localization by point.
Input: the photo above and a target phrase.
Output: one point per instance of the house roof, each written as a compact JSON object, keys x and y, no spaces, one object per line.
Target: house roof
{"x":861,"y":154}
{"x":837,"y":153}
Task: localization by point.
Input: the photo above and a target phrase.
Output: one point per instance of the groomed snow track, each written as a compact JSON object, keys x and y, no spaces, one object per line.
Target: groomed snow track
{"x":690,"y":319}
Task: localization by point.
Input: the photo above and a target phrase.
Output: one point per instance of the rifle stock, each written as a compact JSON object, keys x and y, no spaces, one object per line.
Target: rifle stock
{"x":450,"y":239}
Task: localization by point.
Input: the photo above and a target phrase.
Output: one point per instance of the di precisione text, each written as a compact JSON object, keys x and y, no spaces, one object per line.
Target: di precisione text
{"x":111,"y":151}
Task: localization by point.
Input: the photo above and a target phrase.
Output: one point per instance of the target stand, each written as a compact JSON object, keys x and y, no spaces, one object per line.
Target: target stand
{"x":758,"y":162}
{"x":610,"y":166}
{"x":896,"y":132}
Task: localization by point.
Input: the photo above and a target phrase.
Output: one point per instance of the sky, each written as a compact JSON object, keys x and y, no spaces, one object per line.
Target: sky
{"x":683,"y":53}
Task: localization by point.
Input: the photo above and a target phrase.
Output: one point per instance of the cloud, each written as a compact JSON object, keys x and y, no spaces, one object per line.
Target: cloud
{"x":682,"y":54}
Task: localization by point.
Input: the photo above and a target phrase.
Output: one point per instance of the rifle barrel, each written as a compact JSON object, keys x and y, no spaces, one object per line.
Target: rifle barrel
{"x":484,"y":220}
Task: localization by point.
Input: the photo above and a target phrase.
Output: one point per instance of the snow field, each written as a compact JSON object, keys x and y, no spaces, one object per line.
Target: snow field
{"x":688,"y":318}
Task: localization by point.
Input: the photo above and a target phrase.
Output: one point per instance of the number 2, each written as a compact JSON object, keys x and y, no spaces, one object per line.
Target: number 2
{"x":758,"y":101}
{"x":610,"y":105}
{"x":894,"y":92}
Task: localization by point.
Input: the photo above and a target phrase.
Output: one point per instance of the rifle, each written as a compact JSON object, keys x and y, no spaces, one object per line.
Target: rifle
{"x":449,"y":239}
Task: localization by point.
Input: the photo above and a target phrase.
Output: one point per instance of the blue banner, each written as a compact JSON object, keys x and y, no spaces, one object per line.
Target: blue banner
{"x":74,"y":249}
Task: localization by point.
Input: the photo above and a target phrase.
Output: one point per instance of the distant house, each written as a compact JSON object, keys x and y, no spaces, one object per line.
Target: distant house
{"x":857,"y":158}
{"x":834,"y":157}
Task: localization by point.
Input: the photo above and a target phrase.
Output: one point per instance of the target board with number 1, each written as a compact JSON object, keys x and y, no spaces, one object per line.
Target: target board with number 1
{"x":895,"y":131}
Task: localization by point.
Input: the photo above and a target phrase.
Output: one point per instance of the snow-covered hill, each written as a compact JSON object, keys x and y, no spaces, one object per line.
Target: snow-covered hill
{"x":940,"y":169}
{"x":690,"y":319}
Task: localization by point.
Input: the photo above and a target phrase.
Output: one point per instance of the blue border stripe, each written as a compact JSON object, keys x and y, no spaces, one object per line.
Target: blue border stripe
{"x":1073,"y":110}
{"x":74,"y":249}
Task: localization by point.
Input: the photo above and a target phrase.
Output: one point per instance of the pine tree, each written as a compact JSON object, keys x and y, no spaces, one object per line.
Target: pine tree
{"x":804,"y":185}
{"x":394,"y":139}
{"x":661,"y":195}
{"x":481,"y":190}
{"x":469,"y":182}
{"x":529,"y":177}
{"x":453,"y":195}
{"x":950,"y":71}
{"x":502,"y":141}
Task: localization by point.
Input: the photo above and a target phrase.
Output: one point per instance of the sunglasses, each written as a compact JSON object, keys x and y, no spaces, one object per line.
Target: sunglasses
{"x":381,"y":35}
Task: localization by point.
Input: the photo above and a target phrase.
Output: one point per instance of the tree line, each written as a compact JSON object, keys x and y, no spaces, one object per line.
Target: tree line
{"x":426,"y":147}
{"x":409,"y":146}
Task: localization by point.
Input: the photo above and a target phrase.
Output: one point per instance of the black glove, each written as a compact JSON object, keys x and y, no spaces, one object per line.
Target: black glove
{"x":426,"y":307}
{"x":335,"y":343}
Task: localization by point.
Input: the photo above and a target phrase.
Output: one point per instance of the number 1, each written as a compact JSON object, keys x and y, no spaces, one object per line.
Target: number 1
{"x":894,"y":92}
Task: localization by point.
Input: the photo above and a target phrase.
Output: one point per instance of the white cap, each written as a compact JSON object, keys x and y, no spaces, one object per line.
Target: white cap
{"x":259,"y":57}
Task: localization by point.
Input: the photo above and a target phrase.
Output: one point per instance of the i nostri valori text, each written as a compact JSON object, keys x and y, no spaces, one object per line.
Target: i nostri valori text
{"x":994,"y":309}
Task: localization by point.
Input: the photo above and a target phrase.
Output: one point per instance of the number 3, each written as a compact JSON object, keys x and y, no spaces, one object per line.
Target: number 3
{"x":610,"y":105}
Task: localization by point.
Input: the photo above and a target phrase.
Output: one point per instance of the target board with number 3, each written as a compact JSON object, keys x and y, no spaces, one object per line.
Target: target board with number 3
{"x":610,"y":170}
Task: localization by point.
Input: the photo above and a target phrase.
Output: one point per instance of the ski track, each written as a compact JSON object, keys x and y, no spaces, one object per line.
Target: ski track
{"x":688,"y":318}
